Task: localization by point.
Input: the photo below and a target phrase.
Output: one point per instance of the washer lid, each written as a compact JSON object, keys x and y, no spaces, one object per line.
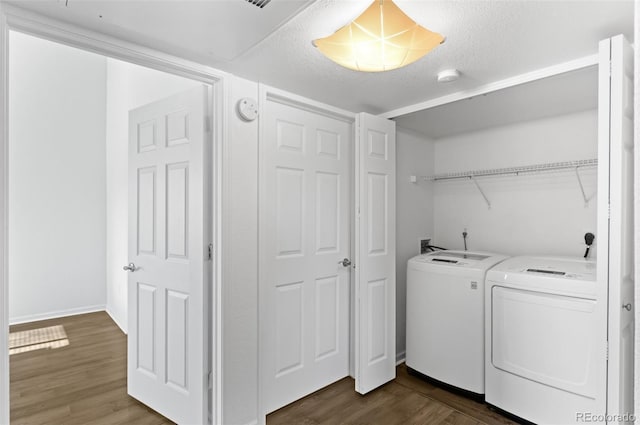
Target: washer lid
{"x":555,"y":275}
{"x":547,"y":268}
{"x":466,"y":259}
{"x":456,"y":254}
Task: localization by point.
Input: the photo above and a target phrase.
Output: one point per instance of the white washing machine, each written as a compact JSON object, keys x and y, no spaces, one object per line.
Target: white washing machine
{"x":545,"y":340}
{"x":445,"y":316}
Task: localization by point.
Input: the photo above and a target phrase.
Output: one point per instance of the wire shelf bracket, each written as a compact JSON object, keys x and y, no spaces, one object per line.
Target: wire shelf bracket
{"x":584,"y":195}
{"x":473,"y":179}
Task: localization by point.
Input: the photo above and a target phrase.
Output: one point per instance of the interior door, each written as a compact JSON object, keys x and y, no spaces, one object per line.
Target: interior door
{"x":167,"y":367}
{"x":304,"y":241}
{"x":617,"y":132}
{"x":375,"y":281}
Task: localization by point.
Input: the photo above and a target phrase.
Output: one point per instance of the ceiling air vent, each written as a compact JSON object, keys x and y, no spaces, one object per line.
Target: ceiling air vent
{"x":259,"y":3}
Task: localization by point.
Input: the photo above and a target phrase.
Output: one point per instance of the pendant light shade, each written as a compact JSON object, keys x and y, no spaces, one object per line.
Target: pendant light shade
{"x":380,"y":39}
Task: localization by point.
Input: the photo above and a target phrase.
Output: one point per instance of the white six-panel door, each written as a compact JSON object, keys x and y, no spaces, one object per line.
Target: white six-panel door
{"x":304,"y":237}
{"x":375,"y":197}
{"x":617,"y":265}
{"x":167,"y":249}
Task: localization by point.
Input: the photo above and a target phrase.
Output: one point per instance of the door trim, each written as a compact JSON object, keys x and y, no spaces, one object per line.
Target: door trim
{"x":15,"y":19}
{"x":299,"y":102}
{"x":267,"y":93}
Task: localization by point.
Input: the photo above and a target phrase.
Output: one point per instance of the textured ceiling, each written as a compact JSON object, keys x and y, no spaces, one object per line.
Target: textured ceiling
{"x":486,"y":40}
{"x":201,"y":30}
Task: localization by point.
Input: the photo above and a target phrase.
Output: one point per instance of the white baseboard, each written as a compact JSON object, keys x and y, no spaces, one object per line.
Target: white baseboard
{"x":56,"y":314}
{"x":401,"y":357}
{"x":116,"y":321}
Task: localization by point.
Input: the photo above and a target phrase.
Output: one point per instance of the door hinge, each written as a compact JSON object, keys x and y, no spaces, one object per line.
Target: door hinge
{"x":210,"y":380}
{"x":210,"y":251}
{"x":610,"y":68}
{"x":607,"y":351}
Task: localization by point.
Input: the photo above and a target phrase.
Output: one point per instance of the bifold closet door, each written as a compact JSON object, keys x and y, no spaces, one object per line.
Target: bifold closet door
{"x":615,"y":194}
{"x":304,"y":240}
{"x":375,"y":282}
{"x":167,"y":365}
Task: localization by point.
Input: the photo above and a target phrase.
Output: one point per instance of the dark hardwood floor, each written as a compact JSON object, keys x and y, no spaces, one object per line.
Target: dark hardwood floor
{"x":84,"y":382}
{"x":405,"y":400}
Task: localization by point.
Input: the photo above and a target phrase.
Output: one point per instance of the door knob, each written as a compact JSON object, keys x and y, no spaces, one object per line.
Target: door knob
{"x":345,"y":263}
{"x":131,"y":267}
{"x":627,"y":306}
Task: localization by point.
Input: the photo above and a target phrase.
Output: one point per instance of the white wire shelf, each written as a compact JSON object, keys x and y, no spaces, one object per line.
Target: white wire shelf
{"x":526,"y":169}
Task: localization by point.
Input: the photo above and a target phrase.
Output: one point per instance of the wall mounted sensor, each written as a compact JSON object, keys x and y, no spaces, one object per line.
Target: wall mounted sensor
{"x":247,"y":109}
{"x":448,"y":75}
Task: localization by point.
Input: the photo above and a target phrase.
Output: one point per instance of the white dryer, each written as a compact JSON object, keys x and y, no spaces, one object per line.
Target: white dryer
{"x":445,"y":316}
{"x":545,"y":340}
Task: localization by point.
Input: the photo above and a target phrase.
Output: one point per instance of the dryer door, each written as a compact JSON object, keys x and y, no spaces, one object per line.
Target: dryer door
{"x":545,"y":338}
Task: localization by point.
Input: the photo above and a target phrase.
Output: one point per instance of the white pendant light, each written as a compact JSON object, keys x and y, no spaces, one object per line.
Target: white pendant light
{"x":382,"y":38}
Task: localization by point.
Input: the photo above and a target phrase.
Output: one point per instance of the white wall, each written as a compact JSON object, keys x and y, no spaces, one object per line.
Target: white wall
{"x":530,"y":214}
{"x":240,"y":264}
{"x":414,"y":215}
{"x":56,"y":180}
{"x":128,"y":86}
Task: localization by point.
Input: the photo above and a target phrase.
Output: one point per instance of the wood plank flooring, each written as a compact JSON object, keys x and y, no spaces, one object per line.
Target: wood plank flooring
{"x":405,"y":400}
{"x":84,"y":382}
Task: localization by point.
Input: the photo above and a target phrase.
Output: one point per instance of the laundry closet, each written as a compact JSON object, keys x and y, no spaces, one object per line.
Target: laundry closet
{"x":539,"y":123}
{"x":512,"y":175}
{"x":534,"y":170}
{"x":517,"y":167}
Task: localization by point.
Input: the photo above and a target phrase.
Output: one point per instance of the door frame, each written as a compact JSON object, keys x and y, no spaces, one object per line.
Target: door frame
{"x":270,"y":94}
{"x":19,"y":20}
